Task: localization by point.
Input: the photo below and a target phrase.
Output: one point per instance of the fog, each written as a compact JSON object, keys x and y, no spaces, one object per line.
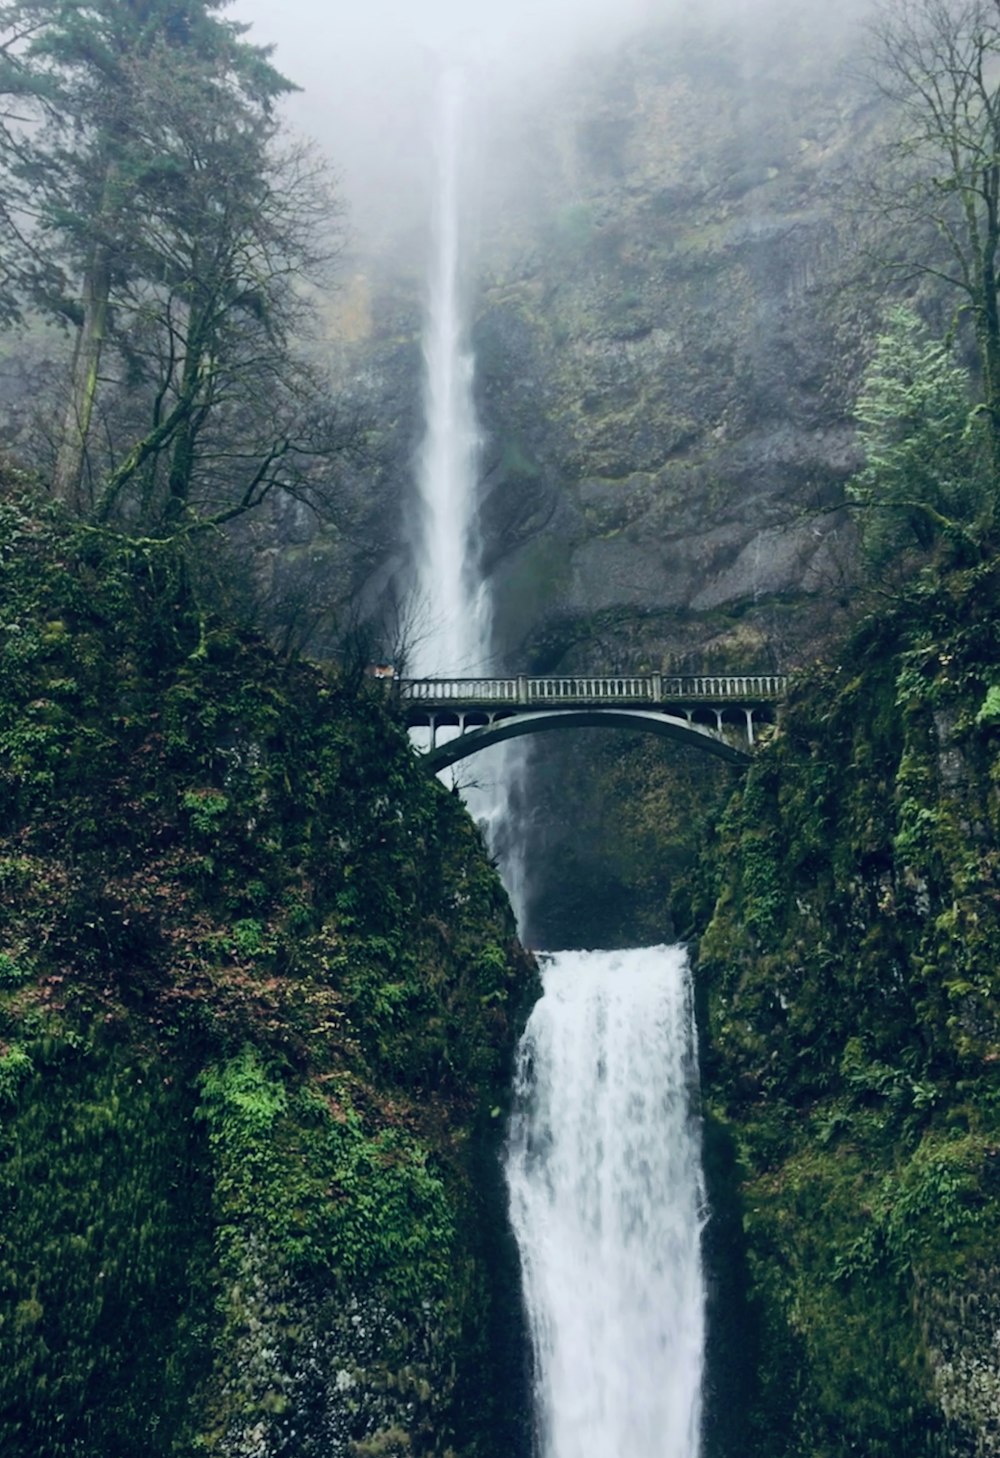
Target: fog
{"x":367,"y":71}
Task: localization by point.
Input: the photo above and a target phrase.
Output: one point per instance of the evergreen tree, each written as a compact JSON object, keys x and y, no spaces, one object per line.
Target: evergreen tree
{"x":926,"y":469}
{"x":938,"y":62}
{"x":150,"y":209}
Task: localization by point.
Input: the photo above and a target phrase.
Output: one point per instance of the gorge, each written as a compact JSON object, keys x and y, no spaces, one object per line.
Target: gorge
{"x":286,"y":1111}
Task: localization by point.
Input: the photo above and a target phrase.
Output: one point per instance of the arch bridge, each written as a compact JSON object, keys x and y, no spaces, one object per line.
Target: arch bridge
{"x":716,"y":713}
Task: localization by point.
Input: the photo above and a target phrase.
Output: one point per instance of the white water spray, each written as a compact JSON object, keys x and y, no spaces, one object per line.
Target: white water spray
{"x":606,"y":1199}
{"x":603,"y":1163}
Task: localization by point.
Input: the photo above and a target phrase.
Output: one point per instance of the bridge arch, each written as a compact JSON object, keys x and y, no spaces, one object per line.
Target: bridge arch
{"x":442,"y":756}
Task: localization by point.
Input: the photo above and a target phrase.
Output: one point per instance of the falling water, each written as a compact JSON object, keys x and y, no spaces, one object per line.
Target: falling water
{"x":606,"y":1201}
{"x":454,"y":606}
{"x":453,"y":638}
{"x":603,"y":1166}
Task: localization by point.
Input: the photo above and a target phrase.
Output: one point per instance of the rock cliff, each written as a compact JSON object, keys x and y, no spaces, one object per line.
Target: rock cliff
{"x":259,"y":991}
{"x":666,"y":347}
{"x":851,"y":1023}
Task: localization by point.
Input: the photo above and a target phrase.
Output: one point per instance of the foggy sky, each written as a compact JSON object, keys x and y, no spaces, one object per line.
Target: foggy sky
{"x":366,"y":66}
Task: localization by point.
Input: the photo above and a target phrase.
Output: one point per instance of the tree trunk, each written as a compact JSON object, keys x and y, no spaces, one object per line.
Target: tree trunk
{"x":182,"y":452}
{"x":68,"y":477}
{"x":989,"y":338}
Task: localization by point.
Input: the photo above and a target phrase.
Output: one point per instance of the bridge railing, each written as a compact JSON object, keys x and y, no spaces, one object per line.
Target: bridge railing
{"x":548,"y":690}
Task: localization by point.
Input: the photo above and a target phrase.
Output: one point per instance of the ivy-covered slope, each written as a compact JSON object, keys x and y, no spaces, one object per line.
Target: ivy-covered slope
{"x":851,"y":999}
{"x":259,"y":988}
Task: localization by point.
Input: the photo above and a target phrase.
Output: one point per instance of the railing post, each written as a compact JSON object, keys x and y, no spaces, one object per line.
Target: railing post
{"x":522,"y":688}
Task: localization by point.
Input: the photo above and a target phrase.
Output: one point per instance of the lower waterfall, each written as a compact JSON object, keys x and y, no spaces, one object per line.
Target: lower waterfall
{"x":604,"y":1172}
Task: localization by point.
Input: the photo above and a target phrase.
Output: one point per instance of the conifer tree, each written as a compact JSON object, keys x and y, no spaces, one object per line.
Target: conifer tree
{"x":938,"y":62}
{"x":927,"y":472}
{"x":149,"y":209}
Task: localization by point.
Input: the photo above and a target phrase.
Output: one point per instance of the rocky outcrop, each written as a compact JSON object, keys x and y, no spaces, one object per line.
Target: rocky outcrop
{"x":851,"y":1021}
{"x":667,"y":341}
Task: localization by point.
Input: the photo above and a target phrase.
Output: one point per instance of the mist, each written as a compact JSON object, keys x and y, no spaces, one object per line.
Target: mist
{"x":368,"y":72}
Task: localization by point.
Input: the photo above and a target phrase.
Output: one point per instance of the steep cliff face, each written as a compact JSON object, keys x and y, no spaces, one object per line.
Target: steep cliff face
{"x":665,"y":349}
{"x":852,"y":1026}
{"x":258,"y":995}
{"x":667,"y":338}
{"x":662,"y":363}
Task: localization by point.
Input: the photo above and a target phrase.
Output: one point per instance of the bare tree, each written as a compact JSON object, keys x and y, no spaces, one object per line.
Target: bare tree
{"x":938,"y":63}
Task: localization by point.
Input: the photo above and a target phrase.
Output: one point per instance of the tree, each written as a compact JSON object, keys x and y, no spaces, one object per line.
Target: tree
{"x":223,"y":407}
{"x":938,"y":61}
{"x":155,"y":214}
{"x":926,"y":471}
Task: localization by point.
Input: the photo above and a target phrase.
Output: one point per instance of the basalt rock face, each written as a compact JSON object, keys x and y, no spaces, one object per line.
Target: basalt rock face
{"x":667,"y":338}
{"x":665,"y":379}
{"x":665,"y":418}
{"x":665,"y":355}
{"x":851,"y":1028}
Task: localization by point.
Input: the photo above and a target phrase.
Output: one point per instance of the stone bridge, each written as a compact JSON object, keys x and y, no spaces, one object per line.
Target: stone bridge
{"x":716,"y":713}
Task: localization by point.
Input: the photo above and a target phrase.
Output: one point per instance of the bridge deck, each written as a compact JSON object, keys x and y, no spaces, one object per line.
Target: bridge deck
{"x":564,"y":691}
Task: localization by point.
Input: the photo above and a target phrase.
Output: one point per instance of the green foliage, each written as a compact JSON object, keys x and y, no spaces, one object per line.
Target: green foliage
{"x":989,"y":709}
{"x":368,"y":1208}
{"x":206,"y":808}
{"x":101,"y":1181}
{"x":852,"y":1001}
{"x":13,"y":971}
{"x":241,"y":893}
{"x":15,"y":1067}
{"x":918,"y":1215}
{"x":926,"y":462}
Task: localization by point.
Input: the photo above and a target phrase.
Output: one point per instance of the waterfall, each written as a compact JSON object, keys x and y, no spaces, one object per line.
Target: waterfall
{"x":453,"y":604}
{"x":606,"y":1198}
{"x":603,"y":1160}
{"x":454,"y":616}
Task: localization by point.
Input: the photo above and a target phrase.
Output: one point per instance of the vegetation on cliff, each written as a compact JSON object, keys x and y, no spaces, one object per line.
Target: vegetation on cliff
{"x":852,"y":1027}
{"x":259,"y":988}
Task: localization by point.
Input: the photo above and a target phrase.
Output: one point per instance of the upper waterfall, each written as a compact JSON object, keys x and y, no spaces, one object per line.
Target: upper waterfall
{"x":453,"y":629}
{"x":453,"y":606}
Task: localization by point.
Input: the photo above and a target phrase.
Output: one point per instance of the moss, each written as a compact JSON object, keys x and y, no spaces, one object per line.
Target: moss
{"x":103,"y":1186}
{"x":849,"y":986}
{"x":247,"y":1070}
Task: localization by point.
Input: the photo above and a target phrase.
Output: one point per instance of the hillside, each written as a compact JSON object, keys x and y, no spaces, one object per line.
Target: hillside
{"x":259,"y":990}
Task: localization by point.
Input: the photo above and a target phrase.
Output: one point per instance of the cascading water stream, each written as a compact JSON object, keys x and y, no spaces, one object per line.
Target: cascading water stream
{"x":454,"y":606}
{"x":454,"y":627}
{"x":603,"y":1159}
{"x":606,"y":1199}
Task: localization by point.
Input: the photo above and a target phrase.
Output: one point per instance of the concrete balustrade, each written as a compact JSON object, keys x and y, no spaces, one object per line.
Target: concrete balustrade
{"x":652,"y":688}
